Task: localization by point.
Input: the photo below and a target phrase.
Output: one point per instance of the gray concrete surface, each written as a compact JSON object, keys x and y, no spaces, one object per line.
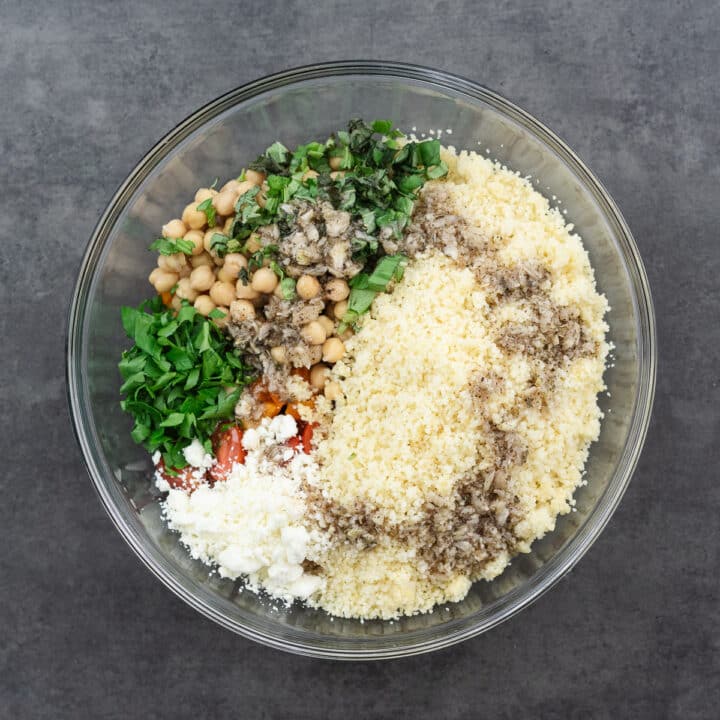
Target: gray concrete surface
{"x":86,"y":88}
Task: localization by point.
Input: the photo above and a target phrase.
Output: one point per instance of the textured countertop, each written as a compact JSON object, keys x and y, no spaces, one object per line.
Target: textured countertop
{"x":87,"y":88}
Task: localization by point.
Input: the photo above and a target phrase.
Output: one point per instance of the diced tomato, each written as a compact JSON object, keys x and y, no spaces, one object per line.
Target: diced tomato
{"x":302,"y":372}
{"x":307,"y":435}
{"x":166,"y":298}
{"x":271,"y":408}
{"x":187,"y":478}
{"x":293,"y":411}
{"x":294,"y":442}
{"x":228,"y":451}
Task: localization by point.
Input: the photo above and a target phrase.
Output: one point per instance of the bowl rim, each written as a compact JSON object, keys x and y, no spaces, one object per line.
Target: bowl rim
{"x":577,"y":546}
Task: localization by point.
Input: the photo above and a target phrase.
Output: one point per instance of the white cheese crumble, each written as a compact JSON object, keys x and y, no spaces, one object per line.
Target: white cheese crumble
{"x":196,"y":456}
{"x":252,"y":524}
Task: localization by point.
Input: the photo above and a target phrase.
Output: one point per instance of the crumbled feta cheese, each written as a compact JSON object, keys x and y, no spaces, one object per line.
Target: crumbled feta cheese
{"x":252,"y":523}
{"x":196,"y":456}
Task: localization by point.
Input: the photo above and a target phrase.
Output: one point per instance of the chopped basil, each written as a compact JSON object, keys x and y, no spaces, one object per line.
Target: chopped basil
{"x":208,"y":208}
{"x":170,"y":246}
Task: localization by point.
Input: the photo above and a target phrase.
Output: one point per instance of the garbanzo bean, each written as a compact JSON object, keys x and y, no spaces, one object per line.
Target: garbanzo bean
{"x":307,"y":287}
{"x":319,"y":375}
{"x":227,"y":225}
{"x":175,"y":303}
{"x":340,"y":309}
{"x":244,"y":186}
{"x":255,"y":177}
{"x":204,"y":304}
{"x":261,"y":198}
{"x":313,"y":333}
{"x":195,"y":219}
{"x":253,"y":244}
{"x":222,"y":321}
{"x":162,"y":280}
{"x":308,"y":174}
{"x":201,"y":259}
{"x":332,"y":390}
{"x":279,"y":354}
{"x":241,"y":310}
{"x":333,"y":350}
{"x":202,"y":278}
{"x":337,"y":289}
{"x":172,"y":263}
{"x":174,"y":229}
{"x":196,"y":237}
{"x":264,"y":280}
{"x":222,"y":293}
{"x":204,"y":193}
{"x":208,"y":236}
{"x":231,"y":185}
{"x":335,"y":163}
{"x":185,"y":291}
{"x":328,"y":324}
{"x":224,"y":202}
{"x":234,"y":262}
{"x":245,"y":292}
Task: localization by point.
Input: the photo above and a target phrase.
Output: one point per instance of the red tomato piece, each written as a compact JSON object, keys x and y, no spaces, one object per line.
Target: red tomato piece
{"x":187,"y":478}
{"x":307,"y":435}
{"x":228,"y":451}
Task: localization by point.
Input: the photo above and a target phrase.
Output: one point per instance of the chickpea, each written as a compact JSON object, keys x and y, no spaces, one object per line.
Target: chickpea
{"x":202,"y":278}
{"x":337,"y":289}
{"x":196,"y":237}
{"x":335,"y":163}
{"x":347,"y":334}
{"x":279,"y":354}
{"x":185,"y":270}
{"x":224,"y":276}
{"x":222,"y":321}
{"x":222,"y":293}
{"x":245,"y":292}
{"x":307,"y":287}
{"x":337,"y":174}
{"x":261,"y":198}
{"x":255,"y":177}
{"x":204,"y":305}
{"x":333,"y":350}
{"x":241,"y":310}
{"x":313,"y":333}
{"x":340,"y":309}
{"x":264,"y":280}
{"x":319,"y":375}
{"x":172,"y":263}
{"x":174,"y":229}
{"x":162,"y":280}
{"x":310,"y":174}
{"x":224,"y":202}
{"x":175,"y":303}
{"x":332,"y":390}
{"x":230,"y":185}
{"x":195,"y":219}
{"x":201,"y":259}
{"x":204,"y":193}
{"x":328,"y":324}
{"x":227,"y":225}
{"x":208,"y":236}
{"x":185,"y":291}
{"x":244,"y":186}
{"x":234,"y":262}
{"x":253,"y":244}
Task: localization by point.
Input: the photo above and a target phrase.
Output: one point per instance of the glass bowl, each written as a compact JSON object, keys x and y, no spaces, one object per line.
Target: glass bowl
{"x":296,"y":106}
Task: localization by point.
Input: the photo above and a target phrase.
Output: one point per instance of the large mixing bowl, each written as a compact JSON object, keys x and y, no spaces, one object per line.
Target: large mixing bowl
{"x":296,"y":106}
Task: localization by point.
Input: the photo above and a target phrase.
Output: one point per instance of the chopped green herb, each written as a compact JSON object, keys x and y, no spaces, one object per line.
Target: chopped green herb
{"x":208,"y":208}
{"x":181,"y":377}
{"x":287,"y":288}
{"x":170,"y":246}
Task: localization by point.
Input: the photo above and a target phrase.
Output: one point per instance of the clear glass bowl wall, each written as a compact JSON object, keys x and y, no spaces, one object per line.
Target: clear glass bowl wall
{"x":217,"y":141}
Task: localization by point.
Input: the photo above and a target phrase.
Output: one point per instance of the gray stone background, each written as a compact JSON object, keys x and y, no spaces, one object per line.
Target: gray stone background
{"x":87,"y":87}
